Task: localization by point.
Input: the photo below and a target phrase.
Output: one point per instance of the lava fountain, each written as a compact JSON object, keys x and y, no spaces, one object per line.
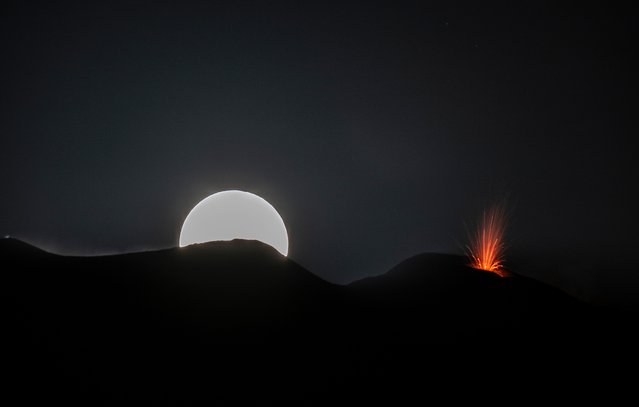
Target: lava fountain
{"x":487,"y":247}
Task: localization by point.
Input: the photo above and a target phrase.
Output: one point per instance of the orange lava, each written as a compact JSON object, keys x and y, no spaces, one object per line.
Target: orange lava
{"x":486,"y":249}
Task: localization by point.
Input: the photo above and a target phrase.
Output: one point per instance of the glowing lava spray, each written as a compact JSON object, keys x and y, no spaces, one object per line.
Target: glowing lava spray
{"x":487,"y":247}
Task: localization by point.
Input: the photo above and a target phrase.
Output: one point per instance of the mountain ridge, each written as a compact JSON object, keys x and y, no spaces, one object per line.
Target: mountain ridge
{"x":166,"y":324}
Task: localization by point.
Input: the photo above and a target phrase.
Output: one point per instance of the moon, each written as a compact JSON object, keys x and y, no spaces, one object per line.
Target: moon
{"x":229,"y":215}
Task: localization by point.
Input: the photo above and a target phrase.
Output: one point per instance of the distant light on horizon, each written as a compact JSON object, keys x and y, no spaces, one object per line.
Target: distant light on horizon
{"x":233,"y":214}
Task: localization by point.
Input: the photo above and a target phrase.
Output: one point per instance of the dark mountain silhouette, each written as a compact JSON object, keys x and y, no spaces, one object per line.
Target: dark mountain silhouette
{"x":236,"y":319}
{"x":462,"y":303}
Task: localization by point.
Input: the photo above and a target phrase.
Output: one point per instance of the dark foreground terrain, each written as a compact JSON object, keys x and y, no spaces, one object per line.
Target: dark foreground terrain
{"x":235,"y":320}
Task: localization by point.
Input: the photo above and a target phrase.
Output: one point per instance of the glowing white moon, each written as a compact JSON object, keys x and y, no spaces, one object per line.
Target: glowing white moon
{"x":229,"y":215}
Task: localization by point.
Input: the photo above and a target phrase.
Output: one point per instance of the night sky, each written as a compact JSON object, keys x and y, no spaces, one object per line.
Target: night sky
{"x":378,"y":131}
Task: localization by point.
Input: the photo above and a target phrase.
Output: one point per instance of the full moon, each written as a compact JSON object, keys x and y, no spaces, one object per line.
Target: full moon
{"x":229,"y":215}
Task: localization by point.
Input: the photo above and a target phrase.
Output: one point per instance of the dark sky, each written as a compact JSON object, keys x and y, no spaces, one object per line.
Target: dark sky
{"x":376,"y":130}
